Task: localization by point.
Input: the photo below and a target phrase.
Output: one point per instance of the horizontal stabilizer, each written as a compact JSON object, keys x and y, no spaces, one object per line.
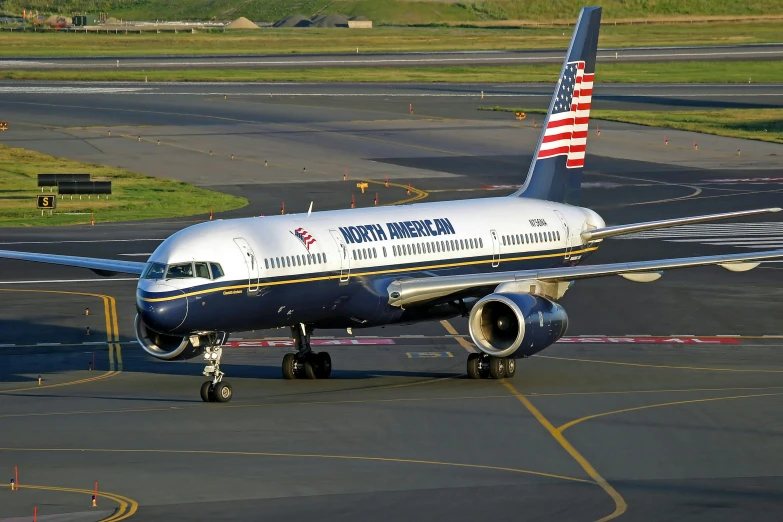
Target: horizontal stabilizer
{"x":99,"y":266}
{"x":621,"y":230}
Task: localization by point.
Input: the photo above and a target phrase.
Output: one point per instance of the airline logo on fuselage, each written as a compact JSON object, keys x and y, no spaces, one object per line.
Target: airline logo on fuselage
{"x":398,"y":230}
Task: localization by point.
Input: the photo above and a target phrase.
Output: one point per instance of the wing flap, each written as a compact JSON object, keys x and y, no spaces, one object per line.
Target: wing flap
{"x":620,"y":230}
{"x":408,"y":292}
{"x":102,"y":267}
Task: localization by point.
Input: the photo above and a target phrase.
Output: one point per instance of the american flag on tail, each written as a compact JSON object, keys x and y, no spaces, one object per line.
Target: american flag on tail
{"x":566,"y":129}
{"x":304,"y":237}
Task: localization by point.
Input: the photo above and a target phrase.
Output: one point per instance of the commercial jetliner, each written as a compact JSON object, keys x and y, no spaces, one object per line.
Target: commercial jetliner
{"x":502,"y":262}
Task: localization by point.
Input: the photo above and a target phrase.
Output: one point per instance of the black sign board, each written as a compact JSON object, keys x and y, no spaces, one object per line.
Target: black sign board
{"x":47,"y":202}
{"x":51,"y":180}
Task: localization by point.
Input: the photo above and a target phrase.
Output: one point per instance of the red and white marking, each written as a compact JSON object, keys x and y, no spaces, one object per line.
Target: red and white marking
{"x":649,"y":340}
{"x":268,"y":343}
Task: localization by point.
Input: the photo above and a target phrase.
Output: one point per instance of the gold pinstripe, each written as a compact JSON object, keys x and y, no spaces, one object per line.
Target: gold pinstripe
{"x":359,"y":274}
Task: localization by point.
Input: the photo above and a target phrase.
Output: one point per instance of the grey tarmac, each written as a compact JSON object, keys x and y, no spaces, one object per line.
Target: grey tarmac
{"x":683,"y":427}
{"x":752,"y":52}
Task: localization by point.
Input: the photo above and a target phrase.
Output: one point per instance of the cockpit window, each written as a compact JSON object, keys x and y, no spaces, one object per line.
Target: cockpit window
{"x":180,"y":271}
{"x":202,"y":270}
{"x":217,"y":271}
{"x":155,"y":271}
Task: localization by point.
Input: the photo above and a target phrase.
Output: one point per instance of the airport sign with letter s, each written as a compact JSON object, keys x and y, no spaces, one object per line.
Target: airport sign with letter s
{"x":47,"y":202}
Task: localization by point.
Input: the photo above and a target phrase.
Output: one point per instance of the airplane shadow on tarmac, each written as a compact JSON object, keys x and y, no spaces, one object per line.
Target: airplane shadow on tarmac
{"x":34,"y":354}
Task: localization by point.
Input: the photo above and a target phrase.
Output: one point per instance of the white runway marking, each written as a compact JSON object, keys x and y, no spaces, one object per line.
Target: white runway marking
{"x":78,"y":241}
{"x":7,"y":89}
{"x":41,"y":281}
{"x":764,"y":235}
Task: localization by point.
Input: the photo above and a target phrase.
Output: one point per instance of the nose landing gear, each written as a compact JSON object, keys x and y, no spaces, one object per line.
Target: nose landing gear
{"x":215,"y":390}
{"x":305,"y":364}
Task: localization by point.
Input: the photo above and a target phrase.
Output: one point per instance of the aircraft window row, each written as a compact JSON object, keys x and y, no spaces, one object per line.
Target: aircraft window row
{"x":297,"y":260}
{"x":200,"y":269}
{"x":366,"y":253}
{"x":433,"y":247}
{"x":534,"y":237}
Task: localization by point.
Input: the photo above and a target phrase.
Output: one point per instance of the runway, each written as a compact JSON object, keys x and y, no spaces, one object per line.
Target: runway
{"x":410,"y":59}
{"x":663,"y":402}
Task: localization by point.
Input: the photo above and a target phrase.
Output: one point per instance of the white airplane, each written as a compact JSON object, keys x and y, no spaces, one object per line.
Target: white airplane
{"x":503,"y":262}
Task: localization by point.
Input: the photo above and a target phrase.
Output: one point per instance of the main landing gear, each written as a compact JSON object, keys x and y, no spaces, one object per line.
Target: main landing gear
{"x":215,"y":390}
{"x":483,"y":366}
{"x":305,"y":363}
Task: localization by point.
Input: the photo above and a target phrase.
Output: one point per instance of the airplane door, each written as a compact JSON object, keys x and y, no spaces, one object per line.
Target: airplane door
{"x":495,"y":249}
{"x":342,"y":252}
{"x":566,"y":234}
{"x":252,"y":264}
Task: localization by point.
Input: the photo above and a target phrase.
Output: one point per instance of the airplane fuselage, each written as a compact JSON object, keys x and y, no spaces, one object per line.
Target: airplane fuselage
{"x":332,"y":269}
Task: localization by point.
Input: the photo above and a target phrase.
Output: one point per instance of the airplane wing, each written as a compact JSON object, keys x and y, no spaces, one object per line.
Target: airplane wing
{"x":104,"y":267}
{"x":552,"y":282}
{"x":620,"y":230}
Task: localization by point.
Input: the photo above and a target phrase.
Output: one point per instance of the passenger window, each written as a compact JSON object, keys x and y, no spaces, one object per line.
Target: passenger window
{"x":374,"y":253}
{"x":266,"y":263}
{"x":217,"y":271}
{"x":324,"y":258}
{"x":180,"y":271}
{"x":481,"y":243}
{"x":418,"y":248}
{"x":384,"y":251}
{"x":354,"y":254}
{"x":155,"y":271}
{"x":318,"y":257}
{"x":558,"y":235}
{"x":429,"y":247}
{"x":202,"y":270}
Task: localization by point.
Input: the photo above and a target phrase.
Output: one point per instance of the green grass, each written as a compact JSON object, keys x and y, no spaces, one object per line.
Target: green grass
{"x":398,"y":12}
{"x":755,"y":124}
{"x":135,"y":196}
{"x":655,"y":72}
{"x":292,"y":41}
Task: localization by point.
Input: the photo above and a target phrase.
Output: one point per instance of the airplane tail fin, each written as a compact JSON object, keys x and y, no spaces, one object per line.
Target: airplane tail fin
{"x":556,"y":170}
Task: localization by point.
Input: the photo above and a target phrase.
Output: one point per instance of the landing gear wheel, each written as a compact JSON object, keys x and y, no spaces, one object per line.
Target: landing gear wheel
{"x":511,"y":367}
{"x":474,"y":371}
{"x":289,"y":366}
{"x":206,"y":392}
{"x":497,"y":367}
{"x":324,"y":365}
{"x":312,"y":366}
{"x":222,"y":392}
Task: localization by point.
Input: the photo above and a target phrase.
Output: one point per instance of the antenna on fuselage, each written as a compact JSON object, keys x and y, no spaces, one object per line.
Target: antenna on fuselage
{"x":310,"y":210}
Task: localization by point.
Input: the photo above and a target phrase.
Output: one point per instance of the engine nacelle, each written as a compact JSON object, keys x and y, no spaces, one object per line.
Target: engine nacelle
{"x":162,"y":346}
{"x":517,"y":325}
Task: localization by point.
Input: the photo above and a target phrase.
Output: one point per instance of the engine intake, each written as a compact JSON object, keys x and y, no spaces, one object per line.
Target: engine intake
{"x":163,"y":346}
{"x":520,"y":325}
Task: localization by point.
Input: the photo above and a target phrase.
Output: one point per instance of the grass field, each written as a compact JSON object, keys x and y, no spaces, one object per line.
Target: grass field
{"x":654,"y":72}
{"x":755,"y":124}
{"x":398,"y":11}
{"x":291,"y":41}
{"x":135,"y":196}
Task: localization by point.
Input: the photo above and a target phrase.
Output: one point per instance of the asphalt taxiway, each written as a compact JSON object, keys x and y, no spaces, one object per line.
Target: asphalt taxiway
{"x":752,"y":52}
{"x":663,"y":402}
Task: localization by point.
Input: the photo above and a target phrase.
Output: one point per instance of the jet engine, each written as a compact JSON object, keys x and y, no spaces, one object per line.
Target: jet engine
{"x":163,"y":346}
{"x":517,"y":325}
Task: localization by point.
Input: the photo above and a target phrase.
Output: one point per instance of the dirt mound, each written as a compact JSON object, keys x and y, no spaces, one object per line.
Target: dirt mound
{"x":331,"y":20}
{"x":57,"y":20}
{"x":241,"y":23}
{"x":296,"y":20}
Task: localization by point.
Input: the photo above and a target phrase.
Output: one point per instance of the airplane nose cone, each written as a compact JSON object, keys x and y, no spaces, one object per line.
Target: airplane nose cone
{"x":162,"y":307}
